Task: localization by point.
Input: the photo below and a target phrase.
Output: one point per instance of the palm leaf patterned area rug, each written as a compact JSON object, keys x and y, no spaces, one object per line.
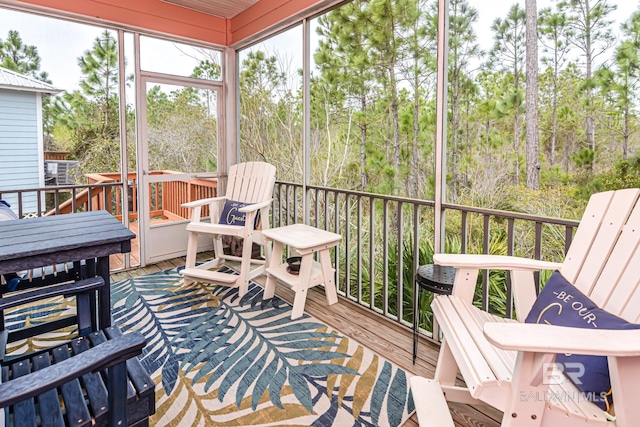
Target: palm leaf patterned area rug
{"x":218,"y":360}
{"x":225,"y":361}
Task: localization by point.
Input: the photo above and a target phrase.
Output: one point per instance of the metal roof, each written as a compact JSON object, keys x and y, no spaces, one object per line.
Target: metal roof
{"x":16,"y":81}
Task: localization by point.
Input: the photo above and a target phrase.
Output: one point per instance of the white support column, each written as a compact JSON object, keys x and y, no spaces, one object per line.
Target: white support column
{"x":441,"y":124}
{"x":124,"y":159}
{"x":229,"y":149}
{"x":142,"y":162}
{"x":306,"y":109}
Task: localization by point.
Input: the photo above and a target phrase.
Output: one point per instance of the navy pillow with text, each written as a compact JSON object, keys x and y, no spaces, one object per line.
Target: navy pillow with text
{"x":231,"y":214}
{"x":561,"y":304}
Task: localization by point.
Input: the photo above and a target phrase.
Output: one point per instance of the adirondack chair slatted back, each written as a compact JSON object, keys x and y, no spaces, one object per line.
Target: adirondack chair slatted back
{"x":603,"y":262}
{"x":604,"y":259}
{"x":618,"y":282}
{"x":250,"y":182}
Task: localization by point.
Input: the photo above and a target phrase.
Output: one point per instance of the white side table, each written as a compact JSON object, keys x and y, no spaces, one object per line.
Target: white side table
{"x":306,"y":240}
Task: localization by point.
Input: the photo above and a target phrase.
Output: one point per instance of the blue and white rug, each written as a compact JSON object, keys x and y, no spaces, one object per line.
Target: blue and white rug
{"x":220,"y":359}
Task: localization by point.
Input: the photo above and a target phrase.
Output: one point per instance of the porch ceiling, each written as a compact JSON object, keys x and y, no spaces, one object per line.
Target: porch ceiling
{"x":222,"y":8}
{"x":222,"y":22}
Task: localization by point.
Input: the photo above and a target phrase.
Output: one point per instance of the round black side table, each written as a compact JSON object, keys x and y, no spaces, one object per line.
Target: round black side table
{"x":437,"y":279}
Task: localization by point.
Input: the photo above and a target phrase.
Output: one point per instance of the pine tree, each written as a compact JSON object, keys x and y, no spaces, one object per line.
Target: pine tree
{"x":419,"y":49}
{"x":208,"y":70}
{"x":552,"y":28}
{"x":17,"y":56}
{"x":388,"y":20}
{"x":621,"y":81}
{"x":533,"y":135}
{"x":463,"y":48}
{"x":508,"y":53}
{"x":590,"y":32}
{"x":100,"y":68}
{"x":83,"y":117}
{"x":347,"y":79}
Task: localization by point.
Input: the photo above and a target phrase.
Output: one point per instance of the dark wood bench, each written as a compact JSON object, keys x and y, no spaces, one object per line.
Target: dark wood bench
{"x":94,"y":380}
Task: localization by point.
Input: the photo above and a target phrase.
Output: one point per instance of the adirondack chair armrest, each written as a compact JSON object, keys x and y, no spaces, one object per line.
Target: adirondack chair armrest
{"x":537,"y":338}
{"x":522,"y":270}
{"x":493,"y":262}
{"x":203,"y":202}
{"x":255,"y":206}
{"x":97,"y":358}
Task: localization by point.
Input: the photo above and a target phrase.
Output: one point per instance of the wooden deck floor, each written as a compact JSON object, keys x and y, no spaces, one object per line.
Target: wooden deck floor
{"x":117,"y":261}
{"x":381,"y":335}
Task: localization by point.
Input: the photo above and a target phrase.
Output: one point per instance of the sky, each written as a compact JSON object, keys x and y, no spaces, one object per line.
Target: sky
{"x":487,"y":14}
{"x":71,"y":40}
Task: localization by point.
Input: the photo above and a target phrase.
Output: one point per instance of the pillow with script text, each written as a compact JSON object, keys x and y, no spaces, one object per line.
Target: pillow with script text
{"x":231,"y":214}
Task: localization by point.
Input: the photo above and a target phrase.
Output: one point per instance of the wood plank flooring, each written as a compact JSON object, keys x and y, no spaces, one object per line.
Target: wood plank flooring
{"x":385,"y":337}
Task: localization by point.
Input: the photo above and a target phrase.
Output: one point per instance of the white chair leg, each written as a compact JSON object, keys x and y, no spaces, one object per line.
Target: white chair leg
{"x":446,"y":368}
{"x":218,"y":251}
{"x":192,"y":253}
{"x":245,"y":267}
{"x":526,"y":402}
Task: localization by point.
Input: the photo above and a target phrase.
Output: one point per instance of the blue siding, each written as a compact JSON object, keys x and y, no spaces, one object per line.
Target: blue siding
{"x":19,"y":146}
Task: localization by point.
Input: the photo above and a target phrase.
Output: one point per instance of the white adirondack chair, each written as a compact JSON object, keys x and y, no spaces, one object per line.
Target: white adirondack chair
{"x":502,"y":361}
{"x":252,"y":183}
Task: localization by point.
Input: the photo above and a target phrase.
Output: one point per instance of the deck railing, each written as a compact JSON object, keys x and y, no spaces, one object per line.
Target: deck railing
{"x":105,"y":192}
{"x":165,"y":198}
{"x":386,"y":238}
{"x":67,"y":198}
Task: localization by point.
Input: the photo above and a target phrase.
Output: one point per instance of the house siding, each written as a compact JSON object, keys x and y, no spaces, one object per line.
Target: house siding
{"x":20,"y":146}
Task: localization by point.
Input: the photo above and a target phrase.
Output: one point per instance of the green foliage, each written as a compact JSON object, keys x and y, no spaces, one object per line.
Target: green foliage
{"x":17,"y":56}
{"x":182,"y":135}
{"x":584,"y":158}
{"x":270,"y":115}
{"x":88,"y":118}
{"x":425,"y":256}
{"x":100,"y":69}
{"x":207,"y":70}
{"x":81,"y":128}
{"x":623,"y":174}
{"x":370,"y":133}
{"x":182,"y":125}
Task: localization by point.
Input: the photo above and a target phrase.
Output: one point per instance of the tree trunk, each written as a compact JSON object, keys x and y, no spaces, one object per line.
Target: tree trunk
{"x":487,"y":151}
{"x":625,"y":142}
{"x":455,"y":118}
{"x":532,"y":144}
{"x":590,"y":122}
{"x":363,"y":141}
{"x":396,"y":127}
{"x":416,"y":130}
{"x":554,"y":125}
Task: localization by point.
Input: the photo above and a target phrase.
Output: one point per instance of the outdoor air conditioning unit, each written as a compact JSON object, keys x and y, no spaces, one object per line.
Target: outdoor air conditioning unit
{"x":60,"y":172}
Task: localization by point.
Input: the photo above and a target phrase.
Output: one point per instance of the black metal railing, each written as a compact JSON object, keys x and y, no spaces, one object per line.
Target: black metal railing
{"x":386,"y":239}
